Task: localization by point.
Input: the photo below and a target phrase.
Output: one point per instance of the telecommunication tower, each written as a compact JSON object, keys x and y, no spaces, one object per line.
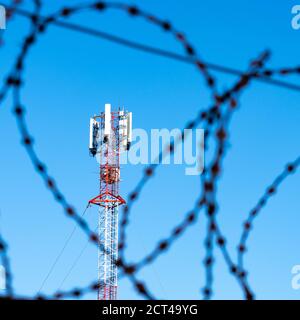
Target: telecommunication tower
{"x":110,"y":135}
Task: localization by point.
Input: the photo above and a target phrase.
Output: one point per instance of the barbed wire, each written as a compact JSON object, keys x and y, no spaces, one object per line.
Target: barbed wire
{"x":265,"y":77}
{"x":214,"y":119}
{"x":209,"y":185}
{"x":262,"y":202}
{"x":19,"y":110}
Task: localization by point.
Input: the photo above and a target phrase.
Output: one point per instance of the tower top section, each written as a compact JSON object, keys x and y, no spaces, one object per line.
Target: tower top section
{"x":110,"y":126}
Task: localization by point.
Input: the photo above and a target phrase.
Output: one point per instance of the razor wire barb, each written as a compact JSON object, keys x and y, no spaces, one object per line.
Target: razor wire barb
{"x":215,"y":121}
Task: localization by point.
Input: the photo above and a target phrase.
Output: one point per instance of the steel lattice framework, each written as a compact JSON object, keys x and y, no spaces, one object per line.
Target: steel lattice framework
{"x":109,"y":135}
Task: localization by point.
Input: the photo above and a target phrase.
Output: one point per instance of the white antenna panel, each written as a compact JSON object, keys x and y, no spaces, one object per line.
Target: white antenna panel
{"x":93,"y":122}
{"x":129,"y":126}
{"x":94,"y":128}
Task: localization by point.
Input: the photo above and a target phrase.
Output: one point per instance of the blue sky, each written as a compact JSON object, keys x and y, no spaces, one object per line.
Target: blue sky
{"x":69,"y":77}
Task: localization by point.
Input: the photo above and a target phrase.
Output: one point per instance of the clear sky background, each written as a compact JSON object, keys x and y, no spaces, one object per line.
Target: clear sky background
{"x":70,"y":76}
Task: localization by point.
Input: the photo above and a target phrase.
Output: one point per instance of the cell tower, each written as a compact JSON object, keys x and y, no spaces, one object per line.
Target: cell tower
{"x":110,"y":135}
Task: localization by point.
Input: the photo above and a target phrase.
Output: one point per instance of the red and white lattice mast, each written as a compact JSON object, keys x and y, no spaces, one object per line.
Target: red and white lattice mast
{"x":110,"y":135}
